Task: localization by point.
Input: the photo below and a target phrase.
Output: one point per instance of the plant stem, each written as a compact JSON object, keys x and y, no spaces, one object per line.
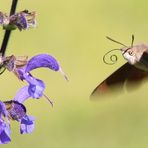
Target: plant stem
{"x":8,"y":32}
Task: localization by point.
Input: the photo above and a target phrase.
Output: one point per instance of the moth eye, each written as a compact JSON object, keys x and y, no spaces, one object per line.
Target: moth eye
{"x":130,"y":53}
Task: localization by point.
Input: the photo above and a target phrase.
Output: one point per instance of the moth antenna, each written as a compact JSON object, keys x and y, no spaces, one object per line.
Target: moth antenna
{"x":113,"y":58}
{"x":115,"y":41}
{"x":48,"y":100}
{"x":132,"y":40}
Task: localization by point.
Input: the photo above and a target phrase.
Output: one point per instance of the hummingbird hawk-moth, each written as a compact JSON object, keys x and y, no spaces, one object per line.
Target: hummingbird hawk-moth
{"x":131,"y":73}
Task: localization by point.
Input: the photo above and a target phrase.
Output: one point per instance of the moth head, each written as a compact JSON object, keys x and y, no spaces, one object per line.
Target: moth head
{"x":128,"y":52}
{"x":134,"y":54}
{"x":130,"y":55}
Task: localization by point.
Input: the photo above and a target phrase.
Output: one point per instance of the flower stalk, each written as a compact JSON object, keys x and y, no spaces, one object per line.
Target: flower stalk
{"x":8,"y":32}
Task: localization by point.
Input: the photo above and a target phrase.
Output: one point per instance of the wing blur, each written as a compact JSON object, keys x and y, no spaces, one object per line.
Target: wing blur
{"x":116,"y":81}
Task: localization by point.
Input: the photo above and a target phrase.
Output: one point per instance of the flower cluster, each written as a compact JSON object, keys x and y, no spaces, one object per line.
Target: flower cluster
{"x":14,"y":109}
{"x":21,"y":20}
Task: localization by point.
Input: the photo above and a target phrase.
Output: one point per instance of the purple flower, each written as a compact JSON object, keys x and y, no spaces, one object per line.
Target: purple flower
{"x":4,"y":132}
{"x":13,"y":110}
{"x":42,"y":60}
{"x":4,"y":126}
{"x":21,"y":20}
{"x":22,"y":68}
{"x":17,"y":111}
{"x":27,"y":124}
{"x":36,"y":86}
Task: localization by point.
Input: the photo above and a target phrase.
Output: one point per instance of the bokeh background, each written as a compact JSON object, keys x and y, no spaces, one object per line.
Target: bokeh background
{"x":74,"y":32}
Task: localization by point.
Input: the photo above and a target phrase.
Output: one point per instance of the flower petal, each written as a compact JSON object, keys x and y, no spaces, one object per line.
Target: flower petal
{"x":3,"y":110}
{"x":4,"y":19}
{"x":27,"y":125}
{"x":36,"y":90}
{"x":4,"y":133}
{"x":21,"y":72}
{"x":36,"y":86}
{"x":22,"y":94}
{"x":42,"y":60}
{"x":21,"y":22}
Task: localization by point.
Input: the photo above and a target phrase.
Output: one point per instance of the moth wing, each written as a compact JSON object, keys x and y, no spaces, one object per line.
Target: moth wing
{"x":116,"y":81}
{"x":144,"y":58}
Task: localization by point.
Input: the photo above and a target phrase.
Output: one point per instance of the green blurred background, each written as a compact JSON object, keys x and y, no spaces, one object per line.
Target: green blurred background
{"x":74,"y":32}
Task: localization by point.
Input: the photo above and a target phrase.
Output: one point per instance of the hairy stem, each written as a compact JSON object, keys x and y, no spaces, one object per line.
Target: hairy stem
{"x":8,"y":32}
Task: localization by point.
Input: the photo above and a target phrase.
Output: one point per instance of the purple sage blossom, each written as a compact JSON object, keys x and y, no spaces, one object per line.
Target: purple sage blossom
{"x":21,"y":20}
{"x":4,"y":126}
{"x":27,"y":124}
{"x":22,"y":68}
{"x":4,"y":132}
{"x":14,"y":110}
{"x":36,"y":87}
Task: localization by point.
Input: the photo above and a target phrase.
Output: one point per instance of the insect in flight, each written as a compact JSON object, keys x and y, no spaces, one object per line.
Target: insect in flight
{"x":132,"y":72}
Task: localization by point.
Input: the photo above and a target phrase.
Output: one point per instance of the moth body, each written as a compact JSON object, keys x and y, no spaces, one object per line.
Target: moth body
{"x":137,"y":56}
